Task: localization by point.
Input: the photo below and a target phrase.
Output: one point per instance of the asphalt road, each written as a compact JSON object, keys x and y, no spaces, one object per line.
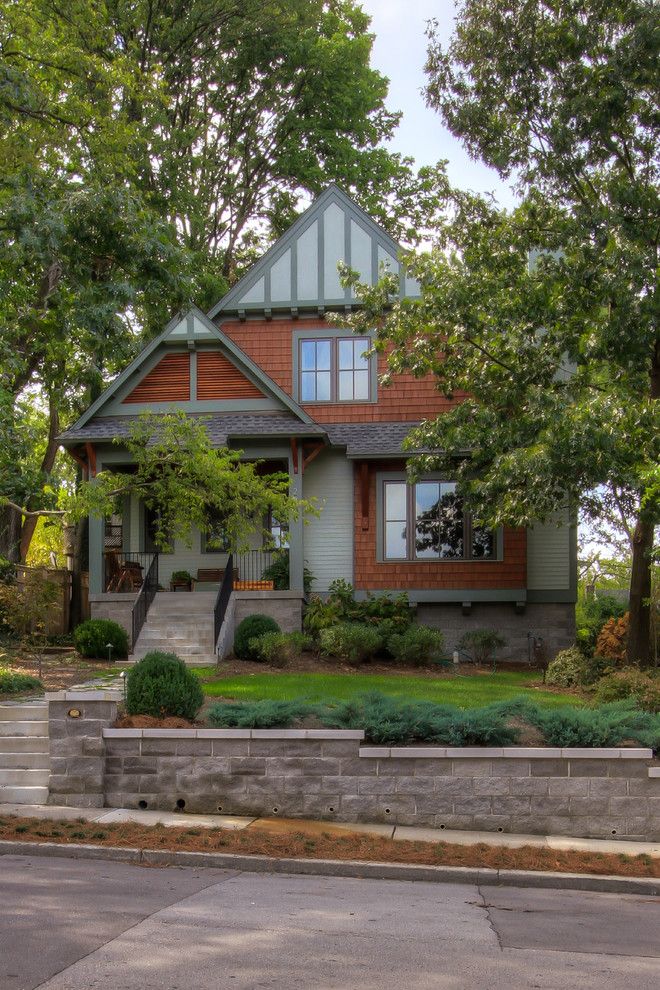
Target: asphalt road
{"x":84,"y":925}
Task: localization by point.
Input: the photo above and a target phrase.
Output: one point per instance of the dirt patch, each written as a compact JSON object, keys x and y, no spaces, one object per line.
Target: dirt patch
{"x":149,"y":722}
{"x":58,"y":670}
{"x":325,"y":842}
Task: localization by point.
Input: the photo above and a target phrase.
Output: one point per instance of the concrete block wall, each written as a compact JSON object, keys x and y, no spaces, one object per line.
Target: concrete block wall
{"x":329,"y":775}
{"x":283,"y":606}
{"x":76,"y":721}
{"x":554,"y":622}
{"x":117,"y":607}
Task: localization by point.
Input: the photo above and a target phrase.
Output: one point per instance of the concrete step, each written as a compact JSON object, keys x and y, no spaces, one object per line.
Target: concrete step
{"x":158,"y":632}
{"x":19,"y":777}
{"x":25,"y":761}
{"x":196,"y":660}
{"x":22,"y":727}
{"x":23,"y":712}
{"x":23,"y":795}
{"x":23,"y":744}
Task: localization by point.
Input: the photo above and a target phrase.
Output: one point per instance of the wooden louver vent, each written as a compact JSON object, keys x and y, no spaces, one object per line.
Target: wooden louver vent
{"x":169,"y":381}
{"x":218,"y":378}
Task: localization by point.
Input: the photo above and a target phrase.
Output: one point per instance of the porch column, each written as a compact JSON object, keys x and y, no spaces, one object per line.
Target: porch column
{"x":296,"y":550}
{"x":96,"y":562}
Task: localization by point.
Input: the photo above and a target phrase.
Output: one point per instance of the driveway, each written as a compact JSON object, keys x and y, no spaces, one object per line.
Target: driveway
{"x":85,"y":925}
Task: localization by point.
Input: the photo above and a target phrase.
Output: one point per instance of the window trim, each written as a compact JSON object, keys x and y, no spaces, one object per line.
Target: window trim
{"x":333,"y":334}
{"x":385,"y":477}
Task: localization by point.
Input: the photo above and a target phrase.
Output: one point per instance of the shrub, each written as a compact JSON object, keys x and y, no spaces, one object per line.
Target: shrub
{"x":388,"y":615}
{"x":252,"y":627}
{"x":161,"y":685}
{"x":181,"y":576}
{"x":481,"y":644}
{"x":351,"y":642}
{"x":612,"y":639}
{"x":16,"y":683}
{"x":608,"y":725}
{"x":629,"y":683}
{"x":278,"y":648}
{"x":278,"y":572}
{"x":590,"y":615}
{"x":259,"y":714}
{"x":416,"y":645}
{"x":92,"y":638}
{"x":567,"y":669}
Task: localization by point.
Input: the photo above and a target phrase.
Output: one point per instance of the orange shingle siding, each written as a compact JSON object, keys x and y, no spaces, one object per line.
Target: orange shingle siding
{"x":169,"y":381}
{"x":218,"y":378}
{"x":371,"y":575}
{"x":270,"y":345}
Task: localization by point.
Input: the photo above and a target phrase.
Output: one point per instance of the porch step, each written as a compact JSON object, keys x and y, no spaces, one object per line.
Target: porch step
{"x":24,"y":727}
{"x":24,"y":711}
{"x":23,"y":795}
{"x":23,"y":745}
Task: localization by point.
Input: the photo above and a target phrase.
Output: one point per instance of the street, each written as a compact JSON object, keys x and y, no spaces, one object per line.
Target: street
{"x":70,"y":924}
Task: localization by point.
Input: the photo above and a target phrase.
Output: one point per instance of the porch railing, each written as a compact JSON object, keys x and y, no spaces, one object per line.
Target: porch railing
{"x":252,"y":565}
{"x":222,"y":601}
{"x":145,"y":597}
{"x":125,"y":571}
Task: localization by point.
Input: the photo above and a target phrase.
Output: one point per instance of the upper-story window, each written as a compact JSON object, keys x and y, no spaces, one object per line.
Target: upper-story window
{"x":427,"y":521}
{"x":335,"y":369}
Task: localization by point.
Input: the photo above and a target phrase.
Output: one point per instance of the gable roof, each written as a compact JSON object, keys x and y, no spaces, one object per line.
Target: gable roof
{"x":190,"y":327}
{"x":300,"y":269}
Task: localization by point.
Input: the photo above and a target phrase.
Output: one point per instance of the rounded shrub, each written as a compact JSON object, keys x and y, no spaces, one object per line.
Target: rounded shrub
{"x":162,"y":686}
{"x":568,"y":669}
{"x":92,"y":638}
{"x":352,"y":642}
{"x":252,"y":627}
{"x":417,"y":645}
{"x":630,"y":683}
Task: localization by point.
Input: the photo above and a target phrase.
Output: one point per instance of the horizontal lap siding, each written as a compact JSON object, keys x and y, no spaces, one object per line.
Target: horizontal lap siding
{"x":169,"y":381}
{"x":218,"y":378}
{"x":372,"y":575}
{"x":270,"y":345}
{"x":549,"y":556}
{"x":328,"y":539}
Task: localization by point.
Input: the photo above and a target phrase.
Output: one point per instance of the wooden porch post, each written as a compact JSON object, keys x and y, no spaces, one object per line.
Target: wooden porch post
{"x":296,"y":550}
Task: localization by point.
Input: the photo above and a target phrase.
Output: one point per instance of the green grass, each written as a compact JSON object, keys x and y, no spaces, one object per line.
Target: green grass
{"x":466,"y":692}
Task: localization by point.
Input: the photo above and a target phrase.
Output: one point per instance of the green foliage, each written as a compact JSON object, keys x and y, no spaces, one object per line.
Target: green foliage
{"x":396,"y":722}
{"x":609,"y":725}
{"x":91,"y":639}
{"x":12,"y":682}
{"x":566,"y":670}
{"x":278,"y":572}
{"x":590,"y":616}
{"x":161,"y":685}
{"x":417,"y":645}
{"x":181,"y":576}
{"x":388,"y":614}
{"x":251,"y":628}
{"x":24,"y":607}
{"x":277,"y":648}
{"x":643,"y":688}
{"x":350,"y":641}
{"x":481,"y":644}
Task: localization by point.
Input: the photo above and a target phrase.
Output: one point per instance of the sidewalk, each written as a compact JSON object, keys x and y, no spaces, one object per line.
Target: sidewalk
{"x":283,"y":825}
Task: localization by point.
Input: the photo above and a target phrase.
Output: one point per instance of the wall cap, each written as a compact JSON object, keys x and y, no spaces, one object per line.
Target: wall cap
{"x":84,"y":696}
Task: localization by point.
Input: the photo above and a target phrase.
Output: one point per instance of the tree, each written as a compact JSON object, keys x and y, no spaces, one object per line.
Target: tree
{"x":554,"y":362}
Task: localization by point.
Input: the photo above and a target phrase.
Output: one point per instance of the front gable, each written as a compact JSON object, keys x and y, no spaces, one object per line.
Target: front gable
{"x":300,"y":271}
{"x":192,"y":367}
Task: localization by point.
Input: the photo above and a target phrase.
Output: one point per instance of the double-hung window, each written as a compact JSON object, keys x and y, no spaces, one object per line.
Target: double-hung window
{"x":334,"y":369}
{"x":216,"y":538}
{"x":427,"y":521}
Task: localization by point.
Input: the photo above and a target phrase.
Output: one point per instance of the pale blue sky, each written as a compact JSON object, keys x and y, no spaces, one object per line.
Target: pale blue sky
{"x":399,"y":53}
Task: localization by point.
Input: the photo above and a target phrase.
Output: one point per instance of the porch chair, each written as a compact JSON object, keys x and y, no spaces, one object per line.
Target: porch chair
{"x":123,"y":574}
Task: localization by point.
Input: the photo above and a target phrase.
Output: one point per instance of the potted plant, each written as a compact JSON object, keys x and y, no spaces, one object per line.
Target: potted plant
{"x":180,"y":580}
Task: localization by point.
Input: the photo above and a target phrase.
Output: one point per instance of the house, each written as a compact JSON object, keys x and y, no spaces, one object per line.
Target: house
{"x":277,"y":378}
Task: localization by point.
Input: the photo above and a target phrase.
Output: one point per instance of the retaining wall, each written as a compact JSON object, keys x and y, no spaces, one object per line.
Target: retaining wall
{"x":331,"y":775}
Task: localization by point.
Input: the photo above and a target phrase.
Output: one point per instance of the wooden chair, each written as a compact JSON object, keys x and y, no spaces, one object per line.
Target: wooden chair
{"x":123,"y":574}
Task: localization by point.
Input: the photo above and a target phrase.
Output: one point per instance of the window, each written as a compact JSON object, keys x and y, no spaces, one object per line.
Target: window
{"x":279,"y":533}
{"x":216,"y":538}
{"x":152,"y":515}
{"x":426,"y":521}
{"x":335,"y":369}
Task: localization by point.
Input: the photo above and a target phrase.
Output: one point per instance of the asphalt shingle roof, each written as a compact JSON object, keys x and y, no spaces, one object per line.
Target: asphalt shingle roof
{"x":220,"y":427}
{"x":369,"y":439}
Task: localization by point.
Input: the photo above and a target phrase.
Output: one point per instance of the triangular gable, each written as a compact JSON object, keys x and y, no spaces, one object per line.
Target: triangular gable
{"x":222,"y":372}
{"x":300,"y":269}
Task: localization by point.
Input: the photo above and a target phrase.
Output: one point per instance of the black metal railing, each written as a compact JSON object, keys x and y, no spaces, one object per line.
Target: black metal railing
{"x":145,"y":597}
{"x":254,"y":566}
{"x":221,"y":602}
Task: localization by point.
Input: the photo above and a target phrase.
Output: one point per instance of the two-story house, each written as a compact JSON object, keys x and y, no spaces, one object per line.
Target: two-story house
{"x":275,"y":377}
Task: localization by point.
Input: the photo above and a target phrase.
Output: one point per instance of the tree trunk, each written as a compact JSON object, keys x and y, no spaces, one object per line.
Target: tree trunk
{"x":47,"y":463}
{"x":638,"y":650}
{"x":77,"y":567}
{"x":10,"y":533}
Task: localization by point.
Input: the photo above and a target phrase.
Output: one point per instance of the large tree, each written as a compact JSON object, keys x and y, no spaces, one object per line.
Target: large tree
{"x":543,"y":320}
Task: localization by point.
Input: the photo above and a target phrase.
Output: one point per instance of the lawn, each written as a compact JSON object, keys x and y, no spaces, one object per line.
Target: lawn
{"x":470,"y":691}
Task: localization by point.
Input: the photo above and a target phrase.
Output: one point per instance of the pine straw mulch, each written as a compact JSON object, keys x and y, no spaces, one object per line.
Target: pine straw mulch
{"x":322,"y":841}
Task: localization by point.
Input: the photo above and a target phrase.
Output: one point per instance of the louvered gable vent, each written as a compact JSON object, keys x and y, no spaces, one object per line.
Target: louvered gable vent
{"x":169,"y":381}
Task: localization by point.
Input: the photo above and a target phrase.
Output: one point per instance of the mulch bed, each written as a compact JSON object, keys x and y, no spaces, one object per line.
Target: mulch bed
{"x":312,"y":840}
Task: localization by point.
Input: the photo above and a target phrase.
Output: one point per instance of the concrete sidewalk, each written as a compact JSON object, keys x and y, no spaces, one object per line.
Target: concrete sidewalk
{"x":282,"y":825}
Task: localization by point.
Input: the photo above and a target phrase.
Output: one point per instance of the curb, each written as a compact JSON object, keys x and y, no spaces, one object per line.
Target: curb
{"x":340,"y":868}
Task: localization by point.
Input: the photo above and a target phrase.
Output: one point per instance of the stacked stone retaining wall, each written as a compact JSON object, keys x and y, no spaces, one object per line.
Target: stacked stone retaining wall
{"x":331,"y":775}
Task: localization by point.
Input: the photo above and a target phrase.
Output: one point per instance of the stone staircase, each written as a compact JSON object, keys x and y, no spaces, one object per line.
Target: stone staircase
{"x":24,"y":752}
{"x":180,"y":623}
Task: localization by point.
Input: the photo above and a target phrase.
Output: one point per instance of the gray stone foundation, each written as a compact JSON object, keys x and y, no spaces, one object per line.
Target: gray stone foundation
{"x":554,"y":622}
{"x":118,"y":607}
{"x":283,"y":606}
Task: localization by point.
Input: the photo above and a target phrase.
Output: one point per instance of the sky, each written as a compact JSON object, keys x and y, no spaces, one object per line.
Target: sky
{"x":399,"y":53}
